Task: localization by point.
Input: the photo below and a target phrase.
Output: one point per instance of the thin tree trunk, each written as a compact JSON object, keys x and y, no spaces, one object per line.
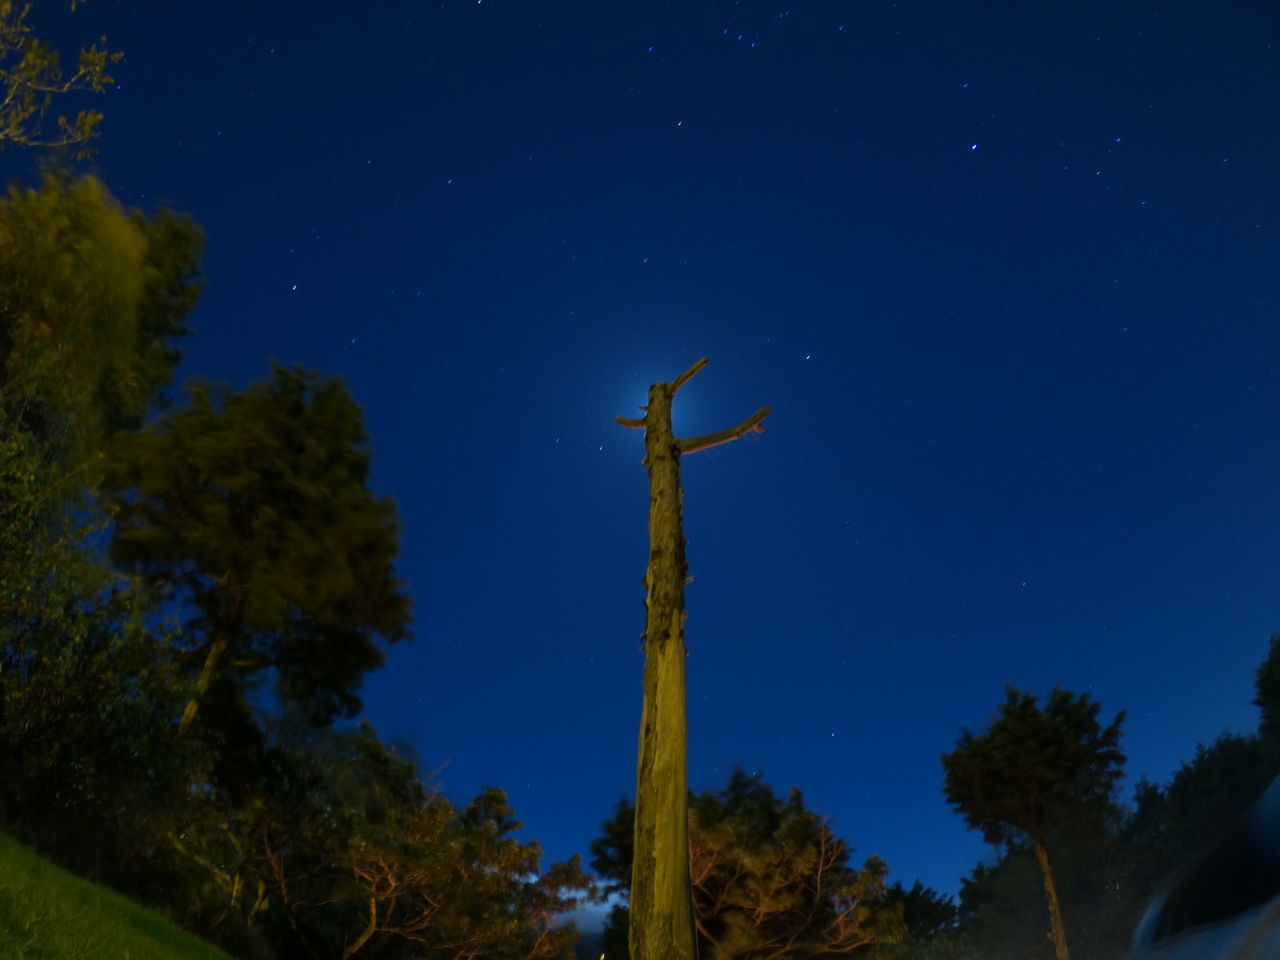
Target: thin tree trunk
{"x":211,"y":663}
{"x":1058,"y":931}
{"x":217,"y":652}
{"x":661,"y":900}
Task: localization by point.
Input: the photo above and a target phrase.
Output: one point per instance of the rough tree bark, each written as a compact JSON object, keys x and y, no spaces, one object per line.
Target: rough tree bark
{"x":662,"y":922}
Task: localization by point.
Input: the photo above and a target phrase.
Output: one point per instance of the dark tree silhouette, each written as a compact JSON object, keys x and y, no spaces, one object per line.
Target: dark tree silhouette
{"x":1267,"y":685}
{"x":252,"y":510}
{"x":1034,"y":768}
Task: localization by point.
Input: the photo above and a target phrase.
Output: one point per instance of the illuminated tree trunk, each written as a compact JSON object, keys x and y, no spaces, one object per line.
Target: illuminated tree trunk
{"x":1057,"y":929}
{"x":662,"y":924}
{"x":212,"y":662}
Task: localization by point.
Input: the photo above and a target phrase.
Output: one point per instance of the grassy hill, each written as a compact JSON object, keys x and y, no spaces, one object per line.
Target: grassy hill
{"x":48,"y":914}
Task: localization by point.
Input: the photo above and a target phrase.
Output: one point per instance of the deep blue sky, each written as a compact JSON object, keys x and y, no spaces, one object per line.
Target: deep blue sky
{"x":1006,"y":272}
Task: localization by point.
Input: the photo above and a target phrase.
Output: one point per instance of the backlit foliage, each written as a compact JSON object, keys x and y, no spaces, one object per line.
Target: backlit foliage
{"x":33,"y":80}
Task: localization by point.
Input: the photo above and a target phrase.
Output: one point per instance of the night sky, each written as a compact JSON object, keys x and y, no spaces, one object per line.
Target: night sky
{"x":1006,"y":273}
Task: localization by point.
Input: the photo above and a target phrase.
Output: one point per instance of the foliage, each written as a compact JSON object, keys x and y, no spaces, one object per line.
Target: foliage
{"x":614,"y":849}
{"x":770,"y":879}
{"x":342,"y":852}
{"x":1267,"y":685}
{"x":32,"y":78}
{"x":87,"y":687}
{"x":247,"y":545}
{"x":251,"y":509}
{"x":1172,"y":826}
{"x":995,"y":899}
{"x":1034,"y":767}
{"x":93,"y":300}
{"x":926,"y":914}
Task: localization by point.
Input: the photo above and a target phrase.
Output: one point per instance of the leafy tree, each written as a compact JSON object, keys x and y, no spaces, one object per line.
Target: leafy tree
{"x":32,"y":78}
{"x":926,"y":914}
{"x":252,"y":510}
{"x":93,"y":302}
{"x":342,"y":852}
{"x":929,"y":923}
{"x":770,"y":879}
{"x":1034,"y":769}
{"x":1171,"y":825}
{"x":81,"y":680}
{"x":614,"y":850}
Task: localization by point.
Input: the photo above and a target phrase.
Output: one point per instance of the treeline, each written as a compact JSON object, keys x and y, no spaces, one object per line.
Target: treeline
{"x":770,"y":879}
{"x":191,"y":592}
{"x":190,"y":595}
{"x":167,"y":569}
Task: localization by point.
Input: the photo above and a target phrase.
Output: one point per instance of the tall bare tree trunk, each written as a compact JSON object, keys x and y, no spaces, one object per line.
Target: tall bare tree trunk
{"x":661,"y":897}
{"x":1057,"y":930}
{"x":662,"y":923}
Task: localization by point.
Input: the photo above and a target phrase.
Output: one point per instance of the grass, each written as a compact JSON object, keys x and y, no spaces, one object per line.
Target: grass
{"x":49,"y":914}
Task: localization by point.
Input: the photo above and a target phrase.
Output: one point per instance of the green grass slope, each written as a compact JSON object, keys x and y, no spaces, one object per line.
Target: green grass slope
{"x":49,"y":914}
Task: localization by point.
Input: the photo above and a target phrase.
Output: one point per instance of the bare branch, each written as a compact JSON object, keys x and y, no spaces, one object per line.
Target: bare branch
{"x":753,"y":424}
{"x":687,"y":375}
{"x":633,"y":424}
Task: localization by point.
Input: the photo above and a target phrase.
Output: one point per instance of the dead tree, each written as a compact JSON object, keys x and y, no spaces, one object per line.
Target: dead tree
{"x":662,"y":926}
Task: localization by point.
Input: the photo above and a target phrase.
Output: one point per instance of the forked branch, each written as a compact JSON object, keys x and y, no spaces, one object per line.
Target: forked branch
{"x":710,"y":439}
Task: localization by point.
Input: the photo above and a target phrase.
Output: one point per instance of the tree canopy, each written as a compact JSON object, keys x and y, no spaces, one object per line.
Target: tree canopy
{"x":344,"y":852}
{"x":1034,"y":765}
{"x":94,"y":301}
{"x":251,"y":545}
{"x":770,"y":878}
{"x":252,"y":509}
